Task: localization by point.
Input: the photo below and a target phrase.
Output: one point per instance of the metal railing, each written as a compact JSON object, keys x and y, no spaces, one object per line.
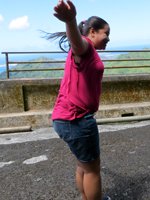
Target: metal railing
{"x":10,"y":62}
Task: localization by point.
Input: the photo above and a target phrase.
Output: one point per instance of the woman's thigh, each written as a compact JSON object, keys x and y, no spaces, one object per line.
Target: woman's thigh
{"x":82,"y":137}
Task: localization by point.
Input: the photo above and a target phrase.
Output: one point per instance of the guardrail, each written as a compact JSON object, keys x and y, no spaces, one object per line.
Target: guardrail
{"x":8,"y":61}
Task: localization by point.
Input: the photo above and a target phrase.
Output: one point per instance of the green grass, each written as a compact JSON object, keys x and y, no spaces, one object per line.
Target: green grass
{"x":130,"y":55}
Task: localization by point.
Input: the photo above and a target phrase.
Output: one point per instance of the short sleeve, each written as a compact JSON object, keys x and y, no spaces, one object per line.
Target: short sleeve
{"x":85,"y":58}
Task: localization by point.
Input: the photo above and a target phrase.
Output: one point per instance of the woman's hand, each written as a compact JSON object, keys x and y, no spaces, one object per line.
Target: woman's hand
{"x":65,"y":12}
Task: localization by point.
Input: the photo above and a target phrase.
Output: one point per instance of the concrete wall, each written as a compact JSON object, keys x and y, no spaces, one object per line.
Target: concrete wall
{"x":40,"y":94}
{"x":26,"y":94}
{"x":29,"y":102}
{"x":126,"y":89}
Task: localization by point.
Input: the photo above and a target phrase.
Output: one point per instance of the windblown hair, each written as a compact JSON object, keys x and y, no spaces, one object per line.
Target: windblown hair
{"x":84,"y":27}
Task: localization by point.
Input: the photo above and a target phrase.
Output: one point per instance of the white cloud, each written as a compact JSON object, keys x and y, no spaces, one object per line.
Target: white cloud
{"x":19,"y":23}
{"x":1,"y":18}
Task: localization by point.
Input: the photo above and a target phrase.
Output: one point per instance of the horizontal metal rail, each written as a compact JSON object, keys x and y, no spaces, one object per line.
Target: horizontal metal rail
{"x":122,"y":60}
{"x":54,"y":69}
{"x":30,"y":70}
{"x":99,"y":51}
{"x":124,"y":67}
{"x":32,"y":52}
{"x":36,"y":62}
{"x":63,"y":61}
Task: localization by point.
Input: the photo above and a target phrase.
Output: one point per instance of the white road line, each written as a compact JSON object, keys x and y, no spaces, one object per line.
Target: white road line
{"x":131,"y":152}
{"x":49,"y":133}
{"x":117,"y":127}
{"x":34,"y":160}
{"x":2,"y":164}
{"x":40,"y":134}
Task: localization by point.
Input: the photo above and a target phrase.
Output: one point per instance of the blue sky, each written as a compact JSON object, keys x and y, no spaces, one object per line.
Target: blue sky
{"x":20,"y":22}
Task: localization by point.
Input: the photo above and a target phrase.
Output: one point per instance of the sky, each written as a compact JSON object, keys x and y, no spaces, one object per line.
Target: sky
{"x":22,"y":20}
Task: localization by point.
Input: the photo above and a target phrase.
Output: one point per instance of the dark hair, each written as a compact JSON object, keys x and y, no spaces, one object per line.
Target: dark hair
{"x":84,"y":27}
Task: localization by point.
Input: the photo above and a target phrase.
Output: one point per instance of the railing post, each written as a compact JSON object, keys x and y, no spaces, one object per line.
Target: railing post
{"x":7,"y":65}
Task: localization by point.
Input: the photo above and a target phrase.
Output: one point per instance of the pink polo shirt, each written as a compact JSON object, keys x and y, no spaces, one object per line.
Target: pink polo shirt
{"x":80,"y":87}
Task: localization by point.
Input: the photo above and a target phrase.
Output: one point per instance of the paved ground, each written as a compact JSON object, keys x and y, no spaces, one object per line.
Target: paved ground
{"x":39,"y":166}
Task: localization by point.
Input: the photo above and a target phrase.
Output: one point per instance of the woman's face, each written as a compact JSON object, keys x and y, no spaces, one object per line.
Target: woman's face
{"x":100,"y":38}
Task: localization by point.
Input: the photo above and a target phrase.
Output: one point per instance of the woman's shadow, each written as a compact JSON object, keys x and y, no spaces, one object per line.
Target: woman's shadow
{"x":128,"y":188}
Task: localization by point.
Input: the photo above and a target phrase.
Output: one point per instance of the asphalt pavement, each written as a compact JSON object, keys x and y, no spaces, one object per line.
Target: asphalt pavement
{"x":39,"y":166}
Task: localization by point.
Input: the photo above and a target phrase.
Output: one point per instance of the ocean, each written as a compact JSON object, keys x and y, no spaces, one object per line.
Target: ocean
{"x":2,"y":69}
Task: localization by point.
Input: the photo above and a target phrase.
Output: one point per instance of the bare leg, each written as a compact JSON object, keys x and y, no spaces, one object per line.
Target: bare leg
{"x":89,"y":180}
{"x":79,"y":181}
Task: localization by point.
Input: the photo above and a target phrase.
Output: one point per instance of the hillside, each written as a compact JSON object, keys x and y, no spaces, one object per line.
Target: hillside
{"x":36,"y":74}
{"x":130,"y":55}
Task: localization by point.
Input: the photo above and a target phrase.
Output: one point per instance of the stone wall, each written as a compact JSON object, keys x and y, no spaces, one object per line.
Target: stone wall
{"x":19,"y":95}
{"x":126,"y":89}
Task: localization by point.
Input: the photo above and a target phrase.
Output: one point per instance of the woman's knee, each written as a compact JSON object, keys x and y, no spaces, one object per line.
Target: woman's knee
{"x":79,"y":170}
{"x":90,"y":167}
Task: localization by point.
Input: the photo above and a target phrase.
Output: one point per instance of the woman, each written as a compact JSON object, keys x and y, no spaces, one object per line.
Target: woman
{"x":79,"y":95}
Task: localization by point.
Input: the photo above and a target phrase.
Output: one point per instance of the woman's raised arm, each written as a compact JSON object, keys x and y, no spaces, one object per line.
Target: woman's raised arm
{"x":66,"y":12}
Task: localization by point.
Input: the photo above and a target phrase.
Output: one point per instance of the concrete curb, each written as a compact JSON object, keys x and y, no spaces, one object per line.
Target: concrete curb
{"x":15,"y":129}
{"x":23,"y":121}
{"x":122,"y":119}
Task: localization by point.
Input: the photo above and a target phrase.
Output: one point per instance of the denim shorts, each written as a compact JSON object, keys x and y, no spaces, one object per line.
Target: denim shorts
{"x":81,"y":135}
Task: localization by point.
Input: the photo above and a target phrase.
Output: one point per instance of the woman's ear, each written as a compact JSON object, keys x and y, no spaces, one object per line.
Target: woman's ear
{"x":92,"y":32}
